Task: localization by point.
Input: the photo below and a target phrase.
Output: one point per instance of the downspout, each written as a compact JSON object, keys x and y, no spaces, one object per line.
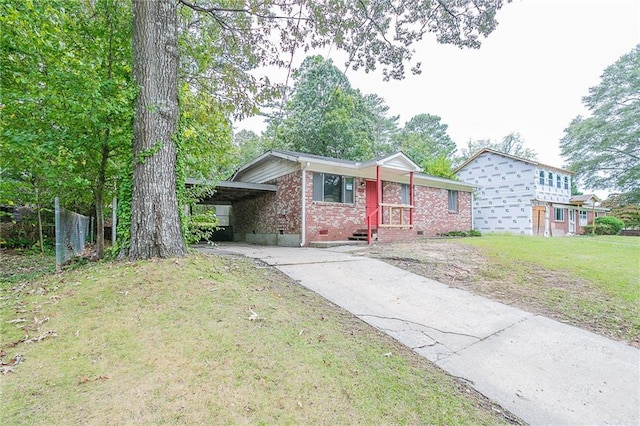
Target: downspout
{"x":303,"y":225}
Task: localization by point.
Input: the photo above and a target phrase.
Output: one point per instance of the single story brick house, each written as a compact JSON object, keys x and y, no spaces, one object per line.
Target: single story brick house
{"x":523,"y":196}
{"x":294,"y":199}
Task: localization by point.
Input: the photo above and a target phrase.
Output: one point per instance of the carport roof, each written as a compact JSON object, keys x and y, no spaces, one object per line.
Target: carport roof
{"x":227,"y":192}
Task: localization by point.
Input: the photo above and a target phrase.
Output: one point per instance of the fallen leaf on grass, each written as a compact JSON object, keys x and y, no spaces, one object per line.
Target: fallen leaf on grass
{"x":253,"y":316}
{"x":84,"y":379}
{"x":7,"y":367}
{"x":26,"y":339}
{"x":50,"y":333}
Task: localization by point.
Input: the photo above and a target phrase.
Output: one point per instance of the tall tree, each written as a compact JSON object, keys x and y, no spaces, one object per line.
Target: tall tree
{"x":67,"y":98}
{"x":604,"y":148}
{"x":155,"y":220}
{"x":326,"y":116}
{"x":370,"y":32}
{"x":385,"y":127}
{"x":249,"y":145}
{"x":511,"y":144}
{"x":424,"y":139}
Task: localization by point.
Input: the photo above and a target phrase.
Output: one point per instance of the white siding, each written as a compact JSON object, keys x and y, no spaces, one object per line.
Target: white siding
{"x":269,"y":170}
{"x":551,"y":193}
{"x":503,"y":204}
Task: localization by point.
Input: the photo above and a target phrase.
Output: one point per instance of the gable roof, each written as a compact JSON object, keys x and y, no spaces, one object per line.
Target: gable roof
{"x":513,"y":157}
{"x":584,"y":199}
{"x":398,"y":160}
{"x":276,"y":163}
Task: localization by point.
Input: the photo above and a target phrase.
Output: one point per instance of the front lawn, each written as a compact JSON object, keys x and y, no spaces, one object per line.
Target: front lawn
{"x":590,"y":282}
{"x":207,"y":340}
{"x":610,"y":263}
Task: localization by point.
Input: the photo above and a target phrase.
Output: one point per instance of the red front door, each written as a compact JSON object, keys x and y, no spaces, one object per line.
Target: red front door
{"x":372,"y":202}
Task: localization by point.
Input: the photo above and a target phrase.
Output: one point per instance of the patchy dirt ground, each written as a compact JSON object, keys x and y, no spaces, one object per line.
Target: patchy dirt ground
{"x":553,"y":294}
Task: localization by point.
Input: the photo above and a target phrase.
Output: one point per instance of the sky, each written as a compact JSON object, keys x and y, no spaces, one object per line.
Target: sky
{"x":529,"y":76}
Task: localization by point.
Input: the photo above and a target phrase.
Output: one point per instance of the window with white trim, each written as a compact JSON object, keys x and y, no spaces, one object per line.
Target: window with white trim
{"x":558,"y":181}
{"x":583,"y":217}
{"x":453,"y":201}
{"x":558,"y":214}
{"x":550,"y":181}
{"x":541,"y":177}
{"x":332,"y":188}
{"x":566,"y":182}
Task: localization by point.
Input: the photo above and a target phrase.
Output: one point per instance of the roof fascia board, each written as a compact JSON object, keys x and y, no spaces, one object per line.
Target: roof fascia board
{"x":513,"y":157}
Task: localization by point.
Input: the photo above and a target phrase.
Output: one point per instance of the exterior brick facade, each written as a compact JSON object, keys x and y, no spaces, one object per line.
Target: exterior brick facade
{"x":274,"y":218}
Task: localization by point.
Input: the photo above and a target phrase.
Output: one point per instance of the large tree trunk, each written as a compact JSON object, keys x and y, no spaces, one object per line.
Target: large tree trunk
{"x":155,"y":221}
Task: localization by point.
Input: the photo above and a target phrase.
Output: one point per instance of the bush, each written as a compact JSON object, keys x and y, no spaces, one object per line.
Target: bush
{"x":613,"y":222}
{"x":471,"y":233}
{"x":201,"y":227}
{"x":601,"y":229}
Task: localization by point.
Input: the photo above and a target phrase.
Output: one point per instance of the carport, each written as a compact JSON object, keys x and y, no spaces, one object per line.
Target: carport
{"x":224,"y":195}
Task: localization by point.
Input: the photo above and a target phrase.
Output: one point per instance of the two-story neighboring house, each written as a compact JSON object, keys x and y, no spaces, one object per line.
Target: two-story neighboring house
{"x":524,"y":196}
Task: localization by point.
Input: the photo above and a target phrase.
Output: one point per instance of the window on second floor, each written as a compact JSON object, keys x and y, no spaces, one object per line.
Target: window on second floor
{"x":541,"y":177}
{"x":332,"y":188}
{"x":559,"y":181}
{"x":550,"y":181}
{"x":453,"y":201}
{"x":566,"y":182}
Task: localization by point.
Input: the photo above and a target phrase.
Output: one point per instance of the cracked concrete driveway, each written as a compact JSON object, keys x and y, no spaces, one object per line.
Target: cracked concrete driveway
{"x":542,"y":370}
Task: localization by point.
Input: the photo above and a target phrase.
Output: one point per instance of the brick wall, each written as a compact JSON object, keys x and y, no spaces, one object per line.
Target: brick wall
{"x":281,"y":213}
{"x":277,"y":213}
{"x":432,"y":214}
{"x":334,"y":221}
{"x":289,"y":208}
{"x":559,"y":228}
{"x":254,"y":216}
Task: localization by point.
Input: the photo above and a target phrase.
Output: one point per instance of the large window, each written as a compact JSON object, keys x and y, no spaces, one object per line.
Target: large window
{"x":559,"y":181}
{"x":453,"y":201}
{"x":405,"y":194}
{"x":332,"y":188}
{"x":566,"y":182}
{"x":541,"y":177}
{"x":559,"y":214}
{"x":550,"y":181}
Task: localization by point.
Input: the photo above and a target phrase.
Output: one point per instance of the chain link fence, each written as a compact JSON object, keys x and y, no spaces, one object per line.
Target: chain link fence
{"x":71,"y":234}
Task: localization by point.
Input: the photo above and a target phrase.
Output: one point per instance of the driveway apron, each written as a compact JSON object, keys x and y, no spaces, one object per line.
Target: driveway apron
{"x":544,"y":371}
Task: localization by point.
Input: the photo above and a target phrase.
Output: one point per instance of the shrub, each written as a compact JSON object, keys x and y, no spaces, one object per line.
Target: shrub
{"x":613,"y":222}
{"x":601,"y":229}
{"x":471,"y":233}
{"x":201,"y":227}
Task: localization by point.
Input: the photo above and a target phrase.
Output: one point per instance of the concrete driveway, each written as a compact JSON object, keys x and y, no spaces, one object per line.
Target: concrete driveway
{"x":544,"y":371}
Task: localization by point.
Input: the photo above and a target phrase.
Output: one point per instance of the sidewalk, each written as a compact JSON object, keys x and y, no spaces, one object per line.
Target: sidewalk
{"x":544,"y":371}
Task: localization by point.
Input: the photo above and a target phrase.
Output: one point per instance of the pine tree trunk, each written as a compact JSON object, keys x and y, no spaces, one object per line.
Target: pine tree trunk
{"x":155,"y":221}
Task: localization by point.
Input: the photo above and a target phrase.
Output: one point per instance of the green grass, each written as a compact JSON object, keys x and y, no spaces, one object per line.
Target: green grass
{"x":602,"y":285}
{"x":208,"y":340}
{"x":611,"y":263}
{"x":25,"y":265}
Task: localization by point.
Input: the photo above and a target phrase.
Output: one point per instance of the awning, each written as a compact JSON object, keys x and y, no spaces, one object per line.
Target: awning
{"x":227,"y":192}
